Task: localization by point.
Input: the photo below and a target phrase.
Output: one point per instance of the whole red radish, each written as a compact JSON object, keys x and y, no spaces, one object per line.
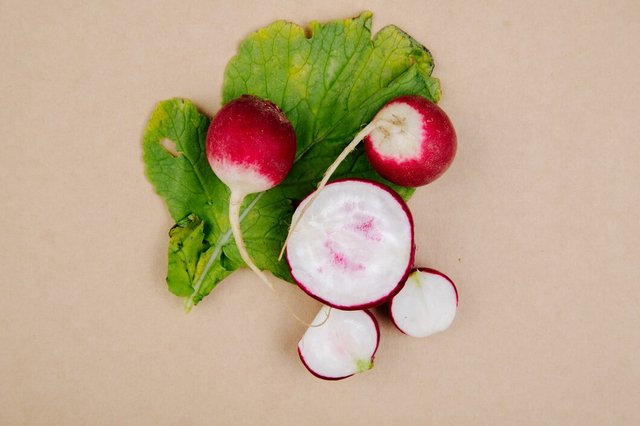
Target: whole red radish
{"x":251,"y":147}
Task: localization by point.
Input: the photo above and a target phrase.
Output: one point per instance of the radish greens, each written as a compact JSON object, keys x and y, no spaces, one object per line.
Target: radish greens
{"x":329,"y":82}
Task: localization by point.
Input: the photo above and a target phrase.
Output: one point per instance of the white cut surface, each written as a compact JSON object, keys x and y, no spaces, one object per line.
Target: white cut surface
{"x":426,"y":304}
{"x":342,"y":346}
{"x":241,"y":178}
{"x":399,"y":133}
{"x":352,"y":245}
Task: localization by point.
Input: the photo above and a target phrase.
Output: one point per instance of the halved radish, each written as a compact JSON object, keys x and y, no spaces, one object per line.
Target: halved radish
{"x":354,"y":246}
{"x":344,"y":345}
{"x":426,"y":304}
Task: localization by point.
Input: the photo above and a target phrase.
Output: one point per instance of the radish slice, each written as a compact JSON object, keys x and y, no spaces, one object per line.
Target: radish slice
{"x":353,"y":247}
{"x":426,"y":304}
{"x":341,"y":347}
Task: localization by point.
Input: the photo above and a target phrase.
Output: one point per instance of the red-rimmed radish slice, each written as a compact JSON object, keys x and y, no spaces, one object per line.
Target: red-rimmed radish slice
{"x":341,"y":347}
{"x":353,"y":247}
{"x":426,"y":304}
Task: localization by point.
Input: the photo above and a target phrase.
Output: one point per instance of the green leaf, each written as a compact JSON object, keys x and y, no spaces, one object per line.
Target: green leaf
{"x":176,"y":164}
{"x":329,"y":84}
{"x":330,"y":81}
{"x":189,"y":255}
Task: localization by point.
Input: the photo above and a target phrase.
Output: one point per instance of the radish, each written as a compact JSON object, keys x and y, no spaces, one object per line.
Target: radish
{"x":413,"y":143}
{"x":344,"y":345}
{"x":354,"y":247}
{"x":426,"y":304}
{"x":409,"y":142}
{"x":251,"y":147}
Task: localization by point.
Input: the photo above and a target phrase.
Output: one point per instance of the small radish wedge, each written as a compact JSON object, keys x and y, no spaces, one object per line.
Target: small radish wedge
{"x":354,"y":247}
{"x":341,"y":347}
{"x":426,"y":304}
{"x":414,"y":142}
{"x":251,"y":147}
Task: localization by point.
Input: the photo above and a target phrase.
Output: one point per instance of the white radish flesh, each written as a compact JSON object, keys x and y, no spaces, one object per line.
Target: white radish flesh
{"x":409,"y":142}
{"x":251,"y":147}
{"x":426,"y":304}
{"x":341,"y":347}
{"x":354,"y":246}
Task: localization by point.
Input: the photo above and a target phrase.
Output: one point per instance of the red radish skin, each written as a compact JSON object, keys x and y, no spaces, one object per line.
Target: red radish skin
{"x":320,"y":376}
{"x":409,"y":164}
{"x":429,"y":271}
{"x":251,"y":147}
{"x":342,"y":261}
{"x":251,"y":136}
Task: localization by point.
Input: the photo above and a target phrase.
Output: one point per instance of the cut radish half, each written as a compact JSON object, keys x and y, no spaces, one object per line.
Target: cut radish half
{"x":353,"y":247}
{"x":426,"y":304}
{"x":341,"y":347}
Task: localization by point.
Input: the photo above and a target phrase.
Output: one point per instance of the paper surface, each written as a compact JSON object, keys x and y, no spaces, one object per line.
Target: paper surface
{"x":536,"y":222}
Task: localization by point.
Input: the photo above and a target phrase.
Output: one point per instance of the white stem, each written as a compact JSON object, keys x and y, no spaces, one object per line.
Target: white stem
{"x":235,"y":203}
{"x":224,"y":239}
{"x":327,"y":175}
{"x":234,"y":220}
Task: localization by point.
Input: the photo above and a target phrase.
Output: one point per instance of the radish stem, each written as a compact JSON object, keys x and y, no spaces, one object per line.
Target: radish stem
{"x":224,"y":239}
{"x":235,"y":202}
{"x":327,"y":175}
{"x":234,"y":220}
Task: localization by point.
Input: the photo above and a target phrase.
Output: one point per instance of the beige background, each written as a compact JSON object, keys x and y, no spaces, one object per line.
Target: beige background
{"x":537,"y":222}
